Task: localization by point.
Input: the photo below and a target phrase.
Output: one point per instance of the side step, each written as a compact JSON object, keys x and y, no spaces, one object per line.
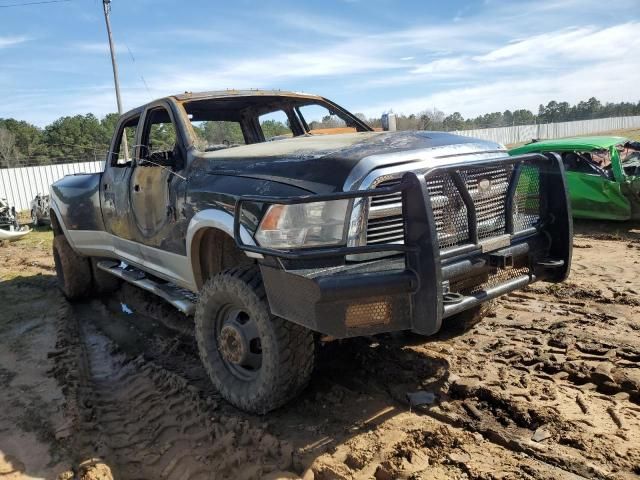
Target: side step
{"x":182,"y":299}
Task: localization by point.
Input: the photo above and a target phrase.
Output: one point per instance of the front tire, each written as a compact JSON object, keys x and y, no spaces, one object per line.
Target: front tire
{"x":467,"y":319}
{"x":256,"y":360}
{"x":73,"y":270}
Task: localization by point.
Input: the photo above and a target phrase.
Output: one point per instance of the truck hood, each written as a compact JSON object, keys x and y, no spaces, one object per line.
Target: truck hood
{"x":320,"y":164}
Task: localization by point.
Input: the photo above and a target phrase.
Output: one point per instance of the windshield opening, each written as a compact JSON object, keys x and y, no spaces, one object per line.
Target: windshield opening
{"x":319,"y":120}
{"x":227,"y":122}
{"x":275,"y":126}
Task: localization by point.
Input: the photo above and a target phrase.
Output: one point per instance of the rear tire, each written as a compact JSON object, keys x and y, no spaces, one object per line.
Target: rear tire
{"x":73,"y":270}
{"x":256,"y":360}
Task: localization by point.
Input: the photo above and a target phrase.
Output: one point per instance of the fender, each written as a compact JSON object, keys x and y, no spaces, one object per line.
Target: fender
{"x":53,"y":206}
{"x":220,"y":220}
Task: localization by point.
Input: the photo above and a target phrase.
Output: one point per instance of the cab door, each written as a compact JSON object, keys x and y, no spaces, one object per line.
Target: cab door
{"x":594,"y":192}
{"x":114,"y":183}
{"x":156,"y":186}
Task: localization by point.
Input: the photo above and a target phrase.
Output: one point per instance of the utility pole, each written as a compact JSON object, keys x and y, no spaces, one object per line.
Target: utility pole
{"x":106,"y":4}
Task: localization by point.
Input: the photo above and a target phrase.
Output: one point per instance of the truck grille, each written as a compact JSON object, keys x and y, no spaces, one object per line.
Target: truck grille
{"x":488,"y":188}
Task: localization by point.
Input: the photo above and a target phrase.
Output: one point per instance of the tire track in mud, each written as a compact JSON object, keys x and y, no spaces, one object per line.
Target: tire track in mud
{"x":558,"y":389}
{"x":435,"y":441}
{"x":140,"y":420}
{"x":171,"y":416}
{"x":546,"y":388}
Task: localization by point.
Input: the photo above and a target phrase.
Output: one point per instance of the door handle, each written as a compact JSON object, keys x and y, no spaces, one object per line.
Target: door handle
{"x":136,"y":188}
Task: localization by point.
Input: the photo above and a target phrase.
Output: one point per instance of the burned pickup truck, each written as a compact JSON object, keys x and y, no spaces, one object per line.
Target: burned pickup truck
{"x":276,"y":218}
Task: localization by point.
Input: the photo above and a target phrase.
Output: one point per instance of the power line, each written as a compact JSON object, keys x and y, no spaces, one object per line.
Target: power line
{"x":32,"y":3}
{"x":136,"y":67}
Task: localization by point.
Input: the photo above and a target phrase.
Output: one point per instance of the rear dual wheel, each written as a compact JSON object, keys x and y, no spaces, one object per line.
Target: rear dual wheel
{"x":79,"y":276}
{"x":256,"y":360}
{"x":72,"y":270}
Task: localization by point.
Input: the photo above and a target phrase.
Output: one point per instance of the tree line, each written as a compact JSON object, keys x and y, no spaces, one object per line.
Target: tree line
{"x":79,"y":137}
{"x":552,"y":112}
{"x":87,"y":137}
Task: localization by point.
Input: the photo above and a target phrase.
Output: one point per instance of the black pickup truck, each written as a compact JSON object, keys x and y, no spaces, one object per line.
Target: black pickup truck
{"x":274,"y":217}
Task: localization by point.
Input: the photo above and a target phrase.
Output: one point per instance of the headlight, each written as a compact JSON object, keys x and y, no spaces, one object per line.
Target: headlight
{"x":303,"y":225}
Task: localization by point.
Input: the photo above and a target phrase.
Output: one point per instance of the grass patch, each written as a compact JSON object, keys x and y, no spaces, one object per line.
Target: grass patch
{"x":40,"y":237}
{"x":632,"y":134}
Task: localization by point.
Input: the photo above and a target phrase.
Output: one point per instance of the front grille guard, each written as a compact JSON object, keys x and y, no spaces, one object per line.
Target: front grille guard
{"x":421,"y":250}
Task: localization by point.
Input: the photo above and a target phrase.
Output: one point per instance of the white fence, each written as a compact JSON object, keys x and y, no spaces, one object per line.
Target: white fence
{"x":525,"y":133}
{"x":21,"y":185}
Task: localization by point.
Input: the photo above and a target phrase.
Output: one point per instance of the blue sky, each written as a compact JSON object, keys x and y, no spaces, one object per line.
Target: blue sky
{"x":368,"y":55}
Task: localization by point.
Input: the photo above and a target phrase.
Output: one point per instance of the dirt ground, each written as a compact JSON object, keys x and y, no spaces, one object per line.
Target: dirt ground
{"x":548,"y":386}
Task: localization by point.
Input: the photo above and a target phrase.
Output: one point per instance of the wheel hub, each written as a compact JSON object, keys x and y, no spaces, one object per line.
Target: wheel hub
{"x":232,"y":344}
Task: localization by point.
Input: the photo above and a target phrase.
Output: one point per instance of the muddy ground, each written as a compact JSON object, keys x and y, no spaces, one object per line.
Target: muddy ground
{"x":546,"y":387}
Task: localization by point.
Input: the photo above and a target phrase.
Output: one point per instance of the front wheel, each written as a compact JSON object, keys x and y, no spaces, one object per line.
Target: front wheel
{"x":257,"y":361}
{"x":34,"y":219}
{"x":467,"y":319}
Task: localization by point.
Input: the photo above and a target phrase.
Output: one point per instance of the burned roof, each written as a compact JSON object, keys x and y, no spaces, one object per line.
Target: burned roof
{"x":184,"y":97}
{"x":243,"y":97}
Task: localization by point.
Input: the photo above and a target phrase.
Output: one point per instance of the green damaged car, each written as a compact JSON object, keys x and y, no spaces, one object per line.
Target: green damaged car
{"x":603,"y":174}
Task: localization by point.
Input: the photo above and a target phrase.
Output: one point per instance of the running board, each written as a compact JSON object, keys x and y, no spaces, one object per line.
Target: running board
{"x":182,"y":299}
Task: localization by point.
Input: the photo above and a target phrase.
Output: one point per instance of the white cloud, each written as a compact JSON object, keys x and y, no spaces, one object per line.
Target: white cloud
{"x":550,"y":53}
{"x":10,"y":41}
{"x":442,"y":66}
{"x":122,"y":48}
{"x":318,"y":24}
{"x":479,"y":63}
{"x":269,"y":71}
{"x":577,"y":44}
{"x":602,"y":80}
{"x":92,"y":47}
